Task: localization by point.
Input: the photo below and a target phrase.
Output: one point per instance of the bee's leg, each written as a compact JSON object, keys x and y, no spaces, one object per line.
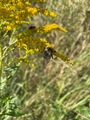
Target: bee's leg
{"x":54,"y":57}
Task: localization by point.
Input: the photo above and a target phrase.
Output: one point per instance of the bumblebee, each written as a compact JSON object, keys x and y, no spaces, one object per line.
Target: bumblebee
{"x":48,"y":53}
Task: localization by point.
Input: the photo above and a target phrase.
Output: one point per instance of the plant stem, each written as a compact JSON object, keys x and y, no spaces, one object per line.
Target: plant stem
{"x":0,"y":56}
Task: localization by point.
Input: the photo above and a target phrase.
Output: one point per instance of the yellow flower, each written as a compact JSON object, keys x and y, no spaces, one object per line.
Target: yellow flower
{"x":62,"y":29}
{"x":46,"y":12}
{"x":52,"y":14}
{"x":27,"y":3}
{"x":12,"y":0}
{"x":12,"y":15}
{"x":24,"y":45}
{"x":50,"y":27}
{"x":32,"y":11}
{"x":17,"y":17}
{"x":8,"y":27}
{"x":20,"y":4}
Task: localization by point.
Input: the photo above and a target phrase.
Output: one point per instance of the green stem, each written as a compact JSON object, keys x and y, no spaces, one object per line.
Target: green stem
{"x":0,"y":55}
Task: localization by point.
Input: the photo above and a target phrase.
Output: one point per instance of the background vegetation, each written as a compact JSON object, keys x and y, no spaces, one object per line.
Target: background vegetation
{"x":51,"y":90}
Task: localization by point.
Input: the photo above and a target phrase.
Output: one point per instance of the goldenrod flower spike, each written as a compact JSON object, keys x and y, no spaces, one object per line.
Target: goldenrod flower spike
{"x":62,"y":29}
{"x":62,"y":57}
{"x":49,"y":27}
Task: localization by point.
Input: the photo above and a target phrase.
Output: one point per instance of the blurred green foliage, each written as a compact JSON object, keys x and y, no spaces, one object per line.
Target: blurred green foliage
{"x":50,"y":90}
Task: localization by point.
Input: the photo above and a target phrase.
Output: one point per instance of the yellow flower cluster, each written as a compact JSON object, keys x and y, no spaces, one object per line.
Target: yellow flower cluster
{"x":38,"y":45}
{"x":9,"y":26}
{"x":53,"y":14}
{"x":32,"y":11}
{"x":49,"y":27}
{"x":46,"y":12}
{"x":4,"y":13}
{"x":17,"y":11}
{"x":20,"y":4}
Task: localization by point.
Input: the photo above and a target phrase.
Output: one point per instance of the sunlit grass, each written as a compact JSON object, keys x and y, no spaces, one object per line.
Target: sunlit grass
{"x":51,"y":90}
